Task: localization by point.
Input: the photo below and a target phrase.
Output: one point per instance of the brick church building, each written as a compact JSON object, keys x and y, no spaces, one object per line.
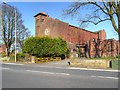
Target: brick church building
{"x":75,"y":36}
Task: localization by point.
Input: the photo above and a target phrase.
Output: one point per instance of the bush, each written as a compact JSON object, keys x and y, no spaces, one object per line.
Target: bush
{"x":20,"y":56}
{"x":4,"y":59}
{"x":27,"y":57}
{"x":3,"y":54}
{"x":30,"y":45}
{"x":45,"y":46}
{"x":12,"y":58}
{"x":23,"y":57}
{"x":68,"y":53}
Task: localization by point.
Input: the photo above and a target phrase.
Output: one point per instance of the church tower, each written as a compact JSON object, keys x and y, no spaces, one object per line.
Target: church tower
{"x":39,"y":21}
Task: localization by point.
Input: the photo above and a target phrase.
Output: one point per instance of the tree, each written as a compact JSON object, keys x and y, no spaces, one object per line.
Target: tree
{"x":22,"y":33}
{"x":99,"y":12}
{"x":8,"y":26}
{"x":0,"y":26}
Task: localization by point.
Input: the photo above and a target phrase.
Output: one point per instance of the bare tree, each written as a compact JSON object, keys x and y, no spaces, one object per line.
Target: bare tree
{"x":8,"y":26}
{"x":0,"y":23}
{"x":22,"y":32}
{"x":99,"y":12}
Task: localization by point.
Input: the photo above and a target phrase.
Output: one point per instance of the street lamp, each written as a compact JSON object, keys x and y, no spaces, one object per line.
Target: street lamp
{"x":15,"y":25}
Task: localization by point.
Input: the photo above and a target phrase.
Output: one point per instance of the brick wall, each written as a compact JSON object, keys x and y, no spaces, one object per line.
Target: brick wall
{"x":91,"y":63}
{"x":105,"y":47}
{"x":102,"y":34}
{"x":57,"y":28}
{"x":45,"y":25}
{"x":2,"y":48}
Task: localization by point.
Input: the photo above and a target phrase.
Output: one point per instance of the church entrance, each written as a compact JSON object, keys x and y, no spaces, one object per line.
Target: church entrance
{"x":81,"y":50}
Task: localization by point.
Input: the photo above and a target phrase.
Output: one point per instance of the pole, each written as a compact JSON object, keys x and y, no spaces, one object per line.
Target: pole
{"x":15,"y":35}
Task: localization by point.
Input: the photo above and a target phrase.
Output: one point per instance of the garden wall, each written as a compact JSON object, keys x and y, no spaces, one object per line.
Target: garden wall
{"x":91,"y":63}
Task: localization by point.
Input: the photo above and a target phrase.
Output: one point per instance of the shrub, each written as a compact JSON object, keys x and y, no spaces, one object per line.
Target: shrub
{"x":4,"y":59}
{"x":27,"y":57}
{"x":12,"y":58}
{"x":3,"y":54}
{"x":68,"y":53}
{"x":20,"y":56}
{"x":30,"y":45}
{"x":23,"y":56}
{"x":45,"y":46}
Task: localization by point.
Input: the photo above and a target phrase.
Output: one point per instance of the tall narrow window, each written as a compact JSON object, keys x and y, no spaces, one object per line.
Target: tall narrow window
{"x":42,"y":20}
{"x":109,"y":48}
{"x":37,"y":21}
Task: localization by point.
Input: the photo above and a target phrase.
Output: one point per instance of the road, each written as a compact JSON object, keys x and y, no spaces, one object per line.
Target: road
{"x":49,"y":76}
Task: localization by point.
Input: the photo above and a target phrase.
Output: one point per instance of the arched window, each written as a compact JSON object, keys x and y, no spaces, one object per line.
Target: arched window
{"x":109,"y":48}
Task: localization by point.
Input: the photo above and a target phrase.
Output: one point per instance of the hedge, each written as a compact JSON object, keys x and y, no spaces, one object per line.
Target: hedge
{"x":45,"y":46}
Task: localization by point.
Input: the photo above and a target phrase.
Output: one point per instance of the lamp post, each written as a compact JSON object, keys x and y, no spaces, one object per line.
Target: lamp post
{"x":15,"y":25}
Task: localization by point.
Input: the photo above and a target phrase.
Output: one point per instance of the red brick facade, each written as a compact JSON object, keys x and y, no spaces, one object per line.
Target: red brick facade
{"x":104,"y":47}
{"x":2,"y":48}
{"x":45,"y":25}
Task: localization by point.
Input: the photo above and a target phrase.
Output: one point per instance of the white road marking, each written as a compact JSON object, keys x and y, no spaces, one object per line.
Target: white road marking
{"x":6,"y":68}
{"x":93,"y":69}
{"x":34,"y":66}
{"x":48,"y":72}
{"x":106,"y":77}
{"x":53,"y":73}
{"x":13,"y":64}
{"x":51,"y":67}
{"x":31,"y":71}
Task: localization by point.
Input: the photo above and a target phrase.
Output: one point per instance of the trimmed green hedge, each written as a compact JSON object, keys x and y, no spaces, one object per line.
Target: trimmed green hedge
{"x":115,"y":64}
{"x":45,"y":46}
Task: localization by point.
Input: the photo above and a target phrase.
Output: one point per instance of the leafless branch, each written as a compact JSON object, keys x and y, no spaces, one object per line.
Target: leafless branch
{"x":95,"y":23}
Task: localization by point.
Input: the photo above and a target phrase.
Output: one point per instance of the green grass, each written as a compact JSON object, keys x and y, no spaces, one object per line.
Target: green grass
{"x":115,"y":64}
{"x":12,"y":59}
{"x":105,"y":58}
{"x":4,"y":59}
{"x":7,"y":59}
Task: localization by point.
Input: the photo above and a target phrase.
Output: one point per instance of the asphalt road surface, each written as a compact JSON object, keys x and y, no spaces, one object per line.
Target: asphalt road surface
{"x":55,"y":76}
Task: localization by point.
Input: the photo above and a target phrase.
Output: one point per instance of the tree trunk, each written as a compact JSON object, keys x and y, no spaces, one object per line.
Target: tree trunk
{"x":119,"y":32}
{"x":8,"y":52}
{"x":119,"y":39}
{"x":119,"y":27}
